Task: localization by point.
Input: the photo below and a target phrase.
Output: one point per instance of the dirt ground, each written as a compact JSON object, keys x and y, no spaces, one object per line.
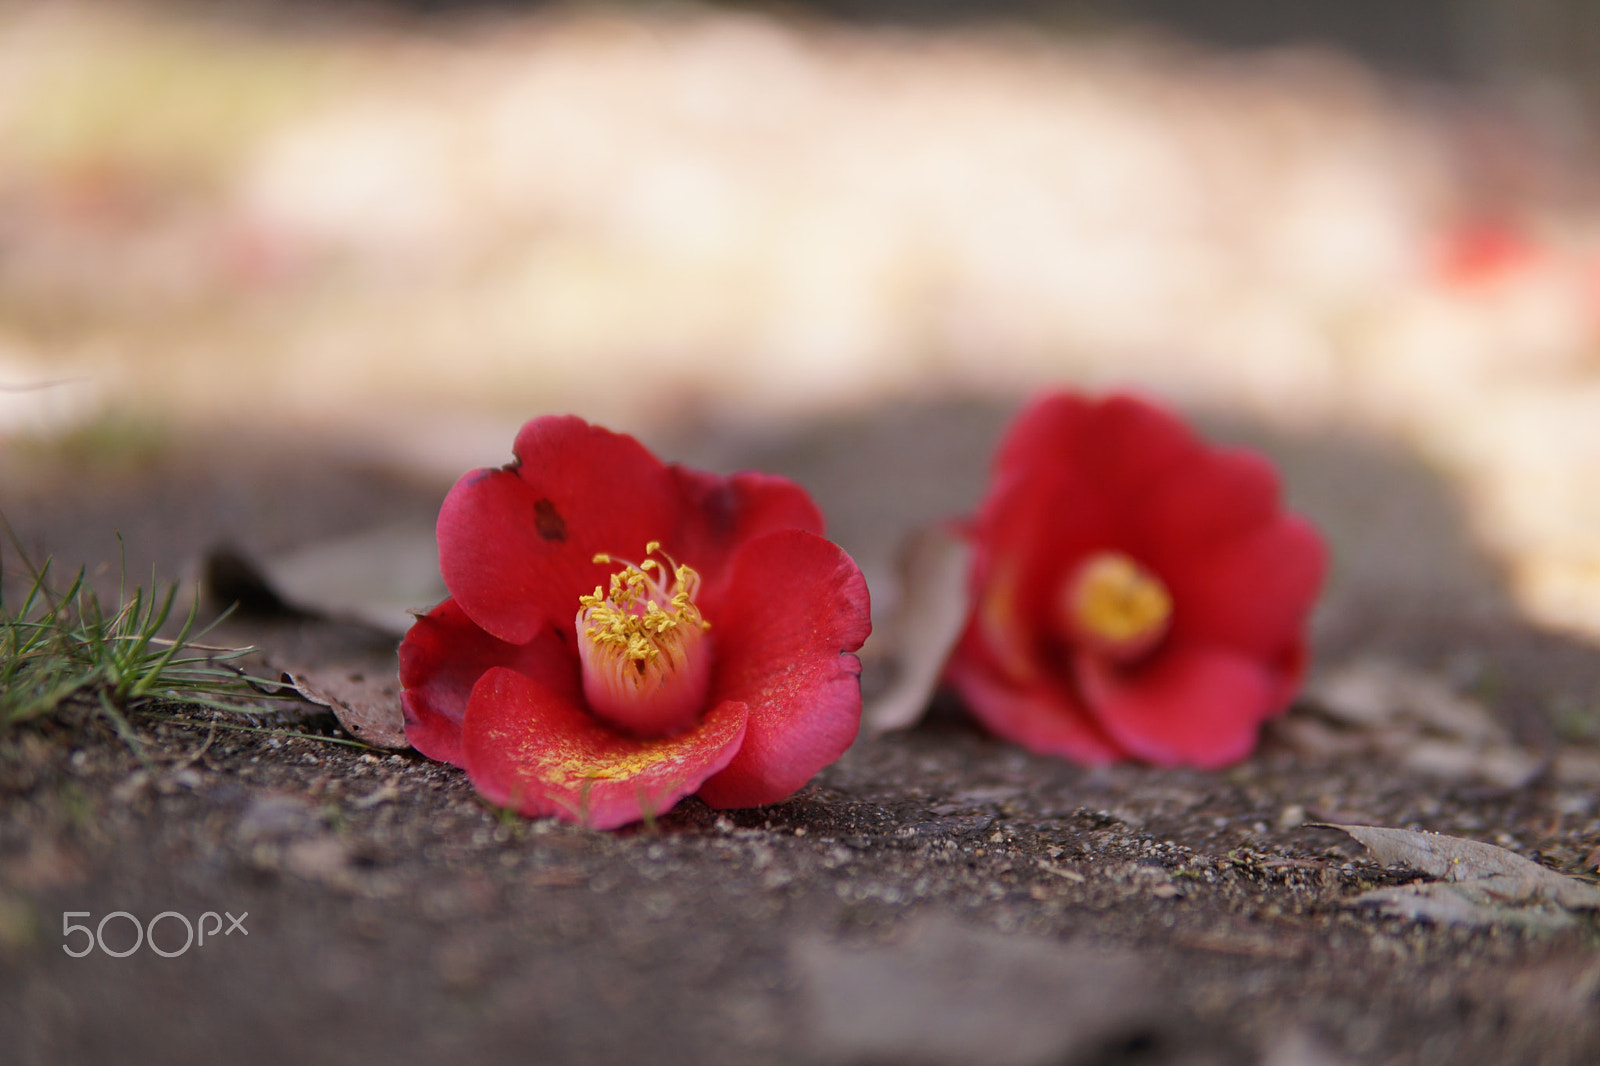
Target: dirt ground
{"x":935,"y":897}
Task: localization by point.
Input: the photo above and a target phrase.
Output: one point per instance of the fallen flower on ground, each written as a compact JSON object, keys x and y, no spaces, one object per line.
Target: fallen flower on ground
{"x":1136,"y":592}
{"x":622,"y":633}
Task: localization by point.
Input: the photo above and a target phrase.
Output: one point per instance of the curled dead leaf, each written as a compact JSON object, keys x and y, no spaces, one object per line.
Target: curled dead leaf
{"x":376,"y":577}
{"x":1377,"y":693}
{"x":367,"y":707}
{"x":1378,"y":707}
{"x":1456,"y":859}
{"x":925,"y":625}
{"x":1442,"y":903}
{"x":1479,"y":884}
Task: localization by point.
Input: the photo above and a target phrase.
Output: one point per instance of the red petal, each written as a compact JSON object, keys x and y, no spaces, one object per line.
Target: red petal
{"x":1218,"y":496}
{"x":1034,"y":512}
{"x":1007,"y":624}
{"x":1290,"y":669}
{"x":795,"y":607}
{"x":516,"y":545}
{"x":1121,"y":442}
{"x":1187,"y":707}
{"x":1254,"y":593}
{"x":1133,"y":444}
{"x":1047,"y":521}
{"x":533,"y":749}
{"x":1050,"y":428}
{"x":721,"y":513}
{"x":1031,"y":531}
{"x":1066,"y":479}
{"x":441,"y":658}
{"x":1045,"y":718}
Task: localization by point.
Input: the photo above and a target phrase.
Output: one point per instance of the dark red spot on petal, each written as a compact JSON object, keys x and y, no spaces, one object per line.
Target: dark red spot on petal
{"x":548,"y":521}
{"x":721,"y":510}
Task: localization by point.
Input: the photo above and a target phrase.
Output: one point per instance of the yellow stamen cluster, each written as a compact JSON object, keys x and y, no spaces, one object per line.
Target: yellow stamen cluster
{"x":642,"y":644}
{"x":631,"y":618}
{"x":1118,"y":604}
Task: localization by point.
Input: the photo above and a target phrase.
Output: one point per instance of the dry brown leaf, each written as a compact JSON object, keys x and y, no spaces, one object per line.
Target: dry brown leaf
{"x":367,"y":706}
{"x":1379,"y":707}
{"x":1444,"y":903}
{"x":376,"y":577}
{"x":1504,"y":764}
{"x":928,"y":622}
{"x":1488,"y":873}
{"x":1377,"y":693}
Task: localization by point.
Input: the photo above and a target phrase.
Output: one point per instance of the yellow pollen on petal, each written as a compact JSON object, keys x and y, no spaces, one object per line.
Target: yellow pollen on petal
{"x":640,"y":644}
{"x":1116,"y":605}
{"x":575,"y":766}
{"x":1003,"y":630}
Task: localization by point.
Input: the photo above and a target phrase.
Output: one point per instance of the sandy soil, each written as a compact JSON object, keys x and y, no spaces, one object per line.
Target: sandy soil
{"x":937,"y":896}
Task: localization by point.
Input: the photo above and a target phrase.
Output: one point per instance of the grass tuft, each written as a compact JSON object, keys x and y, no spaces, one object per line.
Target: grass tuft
{"x":64,"y":649}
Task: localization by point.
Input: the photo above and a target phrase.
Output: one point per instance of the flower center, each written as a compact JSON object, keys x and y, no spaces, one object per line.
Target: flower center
{"x":646,"y":666}
{"x":1116,"y":607}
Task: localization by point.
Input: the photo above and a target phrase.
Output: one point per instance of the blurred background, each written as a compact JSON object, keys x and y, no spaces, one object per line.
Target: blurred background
{"x":406,"y":227}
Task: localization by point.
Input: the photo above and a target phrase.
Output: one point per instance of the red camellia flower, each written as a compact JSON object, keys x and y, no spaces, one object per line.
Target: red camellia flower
{"x":622,"y":633}
{"x":1136,"y":593}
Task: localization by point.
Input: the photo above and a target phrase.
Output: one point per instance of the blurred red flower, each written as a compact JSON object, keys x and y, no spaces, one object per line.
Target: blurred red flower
{"x":622,"y":633}
{"x":1485,"y":250}
{"x":1136,"y":593}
